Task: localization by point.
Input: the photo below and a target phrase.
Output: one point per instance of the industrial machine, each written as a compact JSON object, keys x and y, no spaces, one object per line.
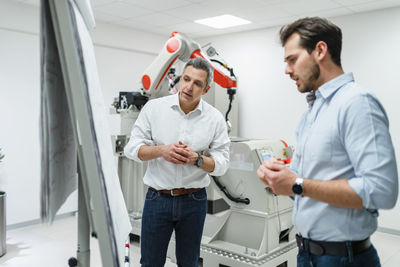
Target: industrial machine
{"x":257,"y":230}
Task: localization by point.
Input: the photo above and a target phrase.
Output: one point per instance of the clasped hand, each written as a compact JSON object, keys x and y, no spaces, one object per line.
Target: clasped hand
{"x":179,"y":153}
{"x":274,"y":174}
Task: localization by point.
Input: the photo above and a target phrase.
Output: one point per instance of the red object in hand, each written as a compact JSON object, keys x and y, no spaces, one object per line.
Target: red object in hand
{"x":286,"y":161}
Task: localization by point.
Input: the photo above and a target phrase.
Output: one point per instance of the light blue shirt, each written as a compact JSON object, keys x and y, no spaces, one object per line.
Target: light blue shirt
{"x":344,"y":134}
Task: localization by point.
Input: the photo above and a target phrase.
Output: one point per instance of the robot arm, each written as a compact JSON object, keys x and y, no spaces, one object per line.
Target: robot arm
{"x":179,"y":47}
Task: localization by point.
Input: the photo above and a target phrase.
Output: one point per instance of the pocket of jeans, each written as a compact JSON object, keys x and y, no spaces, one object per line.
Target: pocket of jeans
{"x":151,"y":195}
{"x":200,"y":195}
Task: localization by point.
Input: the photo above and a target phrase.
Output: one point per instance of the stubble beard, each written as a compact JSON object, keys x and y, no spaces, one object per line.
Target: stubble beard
{"x":311,"y":78}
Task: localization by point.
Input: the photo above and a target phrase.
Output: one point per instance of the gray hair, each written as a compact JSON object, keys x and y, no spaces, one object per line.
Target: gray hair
{"x":202,"y":64}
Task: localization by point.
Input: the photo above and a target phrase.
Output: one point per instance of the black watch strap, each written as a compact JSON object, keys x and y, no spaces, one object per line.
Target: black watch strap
{"x":199,"y":160}
{"x":297,"y":187}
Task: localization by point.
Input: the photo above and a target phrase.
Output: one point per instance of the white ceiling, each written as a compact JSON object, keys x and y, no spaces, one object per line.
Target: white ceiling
{"x":166,"y":16}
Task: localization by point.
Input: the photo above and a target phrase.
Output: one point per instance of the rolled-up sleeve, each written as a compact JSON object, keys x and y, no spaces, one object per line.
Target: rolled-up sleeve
{"x":219,"y":149}
{"x":140,"y":135}
{"x":365,"y":134}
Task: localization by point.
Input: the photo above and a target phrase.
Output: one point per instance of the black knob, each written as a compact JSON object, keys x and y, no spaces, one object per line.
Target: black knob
{"x":72,"y":262}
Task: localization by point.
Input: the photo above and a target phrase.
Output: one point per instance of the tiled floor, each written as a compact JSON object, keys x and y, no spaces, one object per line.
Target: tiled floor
{"x":51,"y":246}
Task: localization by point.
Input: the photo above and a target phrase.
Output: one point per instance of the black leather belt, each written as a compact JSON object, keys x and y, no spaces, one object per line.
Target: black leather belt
{"x":332,"y":248}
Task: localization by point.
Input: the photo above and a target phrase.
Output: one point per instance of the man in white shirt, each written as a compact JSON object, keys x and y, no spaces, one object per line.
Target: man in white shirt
{"x":184,"y":140}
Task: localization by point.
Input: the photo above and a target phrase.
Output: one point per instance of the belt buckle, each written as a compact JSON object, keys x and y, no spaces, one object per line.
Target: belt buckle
{"x":316,"y":248}
{"x":172,"y":192}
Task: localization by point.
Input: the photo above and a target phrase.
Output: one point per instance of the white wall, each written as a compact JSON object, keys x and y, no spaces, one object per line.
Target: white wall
{"x":270,"y":105}
{"x":122,"y":54}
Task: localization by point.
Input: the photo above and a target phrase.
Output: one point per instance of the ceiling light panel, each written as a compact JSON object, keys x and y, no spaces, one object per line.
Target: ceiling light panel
{"x":222,"y":22}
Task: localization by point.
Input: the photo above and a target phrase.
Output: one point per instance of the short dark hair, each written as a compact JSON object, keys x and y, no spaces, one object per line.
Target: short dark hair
{"x":311,"y":31}
{"x":201,"y":63}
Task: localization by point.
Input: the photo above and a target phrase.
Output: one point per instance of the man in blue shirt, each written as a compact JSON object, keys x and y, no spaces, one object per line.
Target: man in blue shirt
{"x":344,"y":167}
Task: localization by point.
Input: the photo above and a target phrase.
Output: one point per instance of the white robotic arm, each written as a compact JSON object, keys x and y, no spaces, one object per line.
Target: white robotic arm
{"x":183,"y":48}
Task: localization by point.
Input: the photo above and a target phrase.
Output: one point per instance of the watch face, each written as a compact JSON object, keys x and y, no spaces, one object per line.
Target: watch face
{"x":297,"y":189}
{"x":199,"y":161}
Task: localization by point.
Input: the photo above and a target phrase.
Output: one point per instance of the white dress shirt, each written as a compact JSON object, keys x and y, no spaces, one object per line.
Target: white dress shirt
{"x":162,"y":122}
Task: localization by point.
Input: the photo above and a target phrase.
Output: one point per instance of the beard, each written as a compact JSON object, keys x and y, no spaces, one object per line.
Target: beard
{"x":311,"y":77}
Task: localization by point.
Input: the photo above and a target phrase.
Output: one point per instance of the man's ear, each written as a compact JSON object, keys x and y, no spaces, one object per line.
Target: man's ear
{"x":321,"y":49}
{"x":205,"y":91}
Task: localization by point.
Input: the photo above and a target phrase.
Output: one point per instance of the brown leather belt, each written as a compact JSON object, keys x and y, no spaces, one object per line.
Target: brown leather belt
{"x":177,"y":191}
{"x":332,"y":248}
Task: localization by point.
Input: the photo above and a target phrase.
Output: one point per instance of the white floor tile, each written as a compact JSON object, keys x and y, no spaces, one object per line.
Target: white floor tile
{"x":393,"y":261}
{"x":387,"y":246}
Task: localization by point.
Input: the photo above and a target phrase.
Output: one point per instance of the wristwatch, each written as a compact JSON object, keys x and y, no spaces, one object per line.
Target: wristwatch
{"x":199,"y":160}
{"x":297,"y":187}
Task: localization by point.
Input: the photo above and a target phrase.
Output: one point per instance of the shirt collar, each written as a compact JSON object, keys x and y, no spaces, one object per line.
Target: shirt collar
{"x":175,"y":103}
{"x":175,"y":100}
{"x":329,"y":88}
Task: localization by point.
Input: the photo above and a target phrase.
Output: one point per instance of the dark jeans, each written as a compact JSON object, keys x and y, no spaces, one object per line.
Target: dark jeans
{"x":163,"y":214}
{"x":367,"y":258}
